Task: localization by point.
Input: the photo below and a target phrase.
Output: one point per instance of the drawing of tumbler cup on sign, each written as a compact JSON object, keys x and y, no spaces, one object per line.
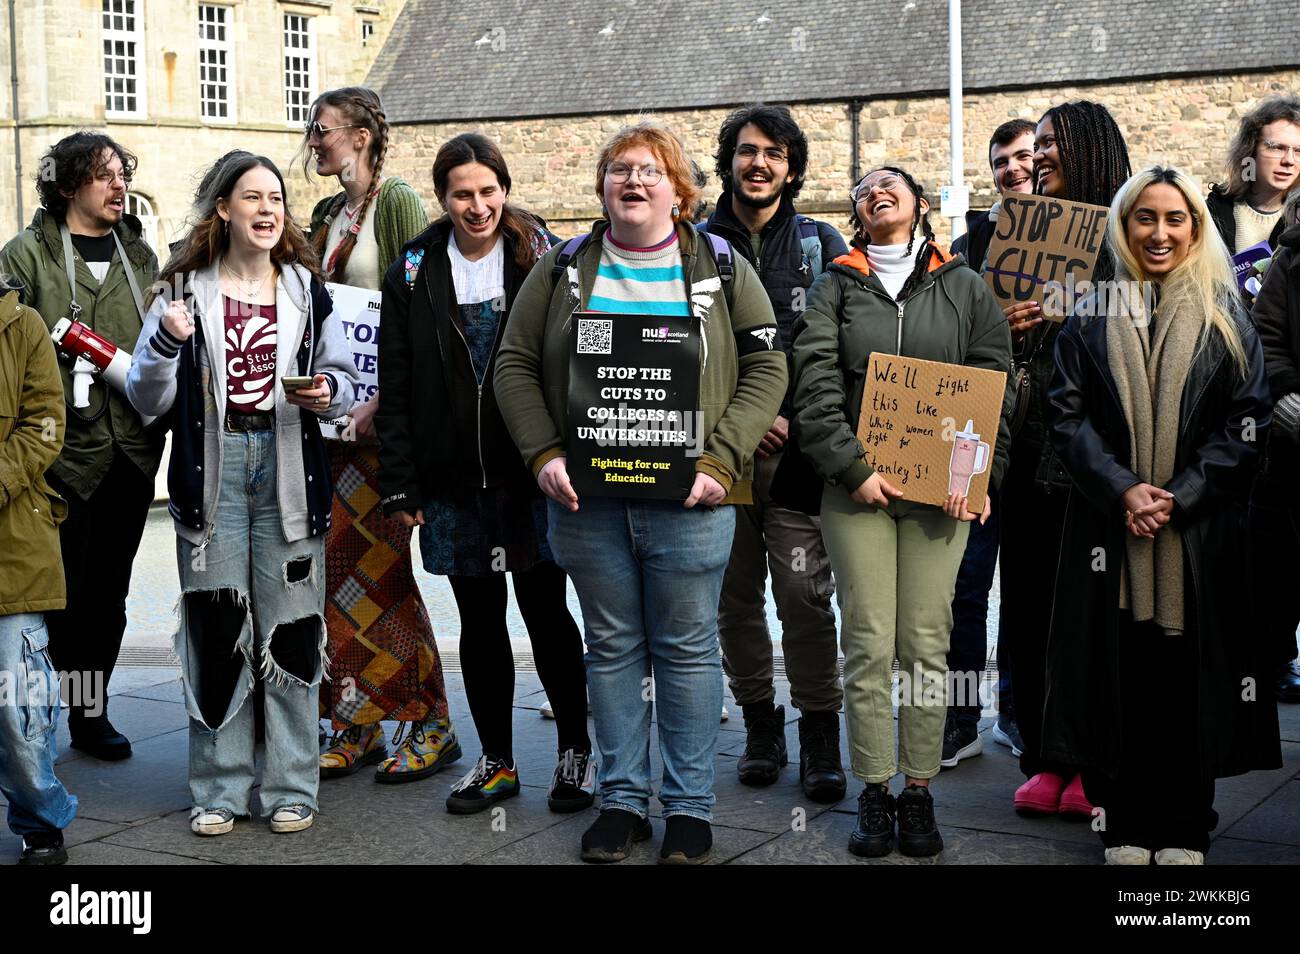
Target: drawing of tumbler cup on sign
{"x":970,"y":456}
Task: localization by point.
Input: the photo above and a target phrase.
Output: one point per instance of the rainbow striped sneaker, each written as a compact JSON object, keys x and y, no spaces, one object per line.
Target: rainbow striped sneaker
{"x":431,"y":747}
{"x":489,"y":782}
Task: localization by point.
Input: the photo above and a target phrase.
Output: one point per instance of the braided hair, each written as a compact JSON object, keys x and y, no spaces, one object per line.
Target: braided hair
{"x":361,"y":107}
{"x":922,"y":261}
{"x":1094,"y":159}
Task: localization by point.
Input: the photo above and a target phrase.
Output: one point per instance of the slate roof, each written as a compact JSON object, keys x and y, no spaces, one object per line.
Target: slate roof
{"x":497,"y":59}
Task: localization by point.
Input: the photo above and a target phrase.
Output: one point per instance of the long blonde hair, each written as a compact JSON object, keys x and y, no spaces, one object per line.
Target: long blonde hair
{"x":1203,"y":282}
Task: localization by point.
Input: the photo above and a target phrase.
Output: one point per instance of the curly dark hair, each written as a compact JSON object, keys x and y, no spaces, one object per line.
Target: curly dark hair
{"x":777,"y":124}
{"x":74,"y":161}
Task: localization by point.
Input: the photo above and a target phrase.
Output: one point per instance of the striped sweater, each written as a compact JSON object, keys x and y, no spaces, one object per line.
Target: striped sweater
{"x":647,"y":281}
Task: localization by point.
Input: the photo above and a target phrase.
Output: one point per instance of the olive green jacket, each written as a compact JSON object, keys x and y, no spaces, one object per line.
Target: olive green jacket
{"x":740,"y":388}
{"x":35,"y":258}
{"x":31,"y":433}
{"x":951,"y":317}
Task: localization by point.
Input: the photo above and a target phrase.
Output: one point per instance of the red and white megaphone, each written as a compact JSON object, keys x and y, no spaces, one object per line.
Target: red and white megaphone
{"x":93,"y":355}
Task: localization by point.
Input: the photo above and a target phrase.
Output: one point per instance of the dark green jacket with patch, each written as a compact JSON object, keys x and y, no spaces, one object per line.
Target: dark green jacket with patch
{"x":35,"y":258}
{"x":950,"y":317}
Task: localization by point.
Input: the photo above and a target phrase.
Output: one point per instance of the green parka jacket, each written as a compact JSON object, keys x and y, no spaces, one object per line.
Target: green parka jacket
{"x":951,"y":317}
{"x":35,"y":258}
{"x":31,"y":434}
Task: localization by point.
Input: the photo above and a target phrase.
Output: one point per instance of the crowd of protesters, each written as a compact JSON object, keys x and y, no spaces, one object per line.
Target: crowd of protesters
{"x":1138,"y":503}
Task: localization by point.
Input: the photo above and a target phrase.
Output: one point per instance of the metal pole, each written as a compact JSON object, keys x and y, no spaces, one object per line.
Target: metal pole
{"x":957,"y":172}
{"x":13,"y":81}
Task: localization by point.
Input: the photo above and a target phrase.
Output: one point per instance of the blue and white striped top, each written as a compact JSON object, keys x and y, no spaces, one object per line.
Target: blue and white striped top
{"x":640,"y":281}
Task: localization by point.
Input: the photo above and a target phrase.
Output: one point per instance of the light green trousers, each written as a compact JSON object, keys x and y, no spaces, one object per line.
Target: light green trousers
{"x":895,"y":573}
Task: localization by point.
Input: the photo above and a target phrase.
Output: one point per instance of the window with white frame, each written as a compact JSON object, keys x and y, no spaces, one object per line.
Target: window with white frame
{"x":123,"y":35}
{"x":216,"y":63}
{"x":299,"y":67}
{"x":142,"y":209}
{"x":367,"y":31}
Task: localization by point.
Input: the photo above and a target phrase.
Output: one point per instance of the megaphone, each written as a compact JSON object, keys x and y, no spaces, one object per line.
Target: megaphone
{"x":92,"y":354}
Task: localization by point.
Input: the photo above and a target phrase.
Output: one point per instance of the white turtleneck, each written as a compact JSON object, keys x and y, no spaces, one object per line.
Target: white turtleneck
{"x":891,"y":264}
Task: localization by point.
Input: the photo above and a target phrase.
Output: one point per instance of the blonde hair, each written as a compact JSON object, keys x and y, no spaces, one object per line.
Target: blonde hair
{"x":663,"y":142}
{"x":1203,"y":282}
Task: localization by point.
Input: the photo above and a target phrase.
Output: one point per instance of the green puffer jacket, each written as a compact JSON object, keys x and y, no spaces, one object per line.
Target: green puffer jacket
{"x":35,"y":257}
{"x":399,"y":217}
{"x":31,"y":433}
{"x":740,"y":388}
{"x":951,"y":317}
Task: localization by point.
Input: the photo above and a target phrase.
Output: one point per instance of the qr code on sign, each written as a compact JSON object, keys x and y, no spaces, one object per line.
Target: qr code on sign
{"x":595,"y":336}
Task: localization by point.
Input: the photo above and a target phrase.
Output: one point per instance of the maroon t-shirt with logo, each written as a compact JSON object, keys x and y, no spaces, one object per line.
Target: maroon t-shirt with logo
{"x":250,"y":357}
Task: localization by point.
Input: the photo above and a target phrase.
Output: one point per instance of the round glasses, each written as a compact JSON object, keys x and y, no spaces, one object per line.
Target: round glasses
{"x":620,"y":172}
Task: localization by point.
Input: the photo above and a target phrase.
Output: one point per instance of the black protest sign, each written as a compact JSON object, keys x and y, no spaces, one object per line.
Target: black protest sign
{"x":634,"y":393}
{"x":1042,"y":249}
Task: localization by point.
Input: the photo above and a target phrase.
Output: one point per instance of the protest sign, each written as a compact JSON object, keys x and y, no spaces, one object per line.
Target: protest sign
{"x":1249,"y":266}
{"x":930,"y":428}
{"x":357,"y":309}
{"x":1042,"y":249}
{"x":634,"y":390}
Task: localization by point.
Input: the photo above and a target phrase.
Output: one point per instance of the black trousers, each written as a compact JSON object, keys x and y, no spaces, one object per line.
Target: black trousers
{"x":1274,"y":540}
{"x":1033,"y":521}
{"x":99,"y":540}
{"x":1159,"y":798}
{"x":488,"y":666}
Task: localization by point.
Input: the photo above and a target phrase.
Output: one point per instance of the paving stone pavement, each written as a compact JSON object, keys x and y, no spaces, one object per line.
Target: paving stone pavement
{"x":136,"y":812}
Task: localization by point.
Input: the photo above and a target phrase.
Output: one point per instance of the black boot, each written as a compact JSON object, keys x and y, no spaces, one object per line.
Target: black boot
{"x":96,"y":736}
{"x":765,"y":752}
{"x":820,"y":770}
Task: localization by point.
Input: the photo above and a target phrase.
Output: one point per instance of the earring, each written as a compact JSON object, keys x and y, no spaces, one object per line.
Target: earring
{"x":676,"y":210}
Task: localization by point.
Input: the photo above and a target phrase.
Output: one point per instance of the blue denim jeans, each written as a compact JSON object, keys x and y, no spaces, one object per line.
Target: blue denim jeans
{"x":38,"y":802}
{"x":648,"y":575}
{"x":251,"y":602}
{"x":968,"y":648}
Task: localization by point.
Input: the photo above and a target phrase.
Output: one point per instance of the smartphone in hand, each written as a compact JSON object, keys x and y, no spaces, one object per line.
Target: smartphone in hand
{"x":296,"y":383}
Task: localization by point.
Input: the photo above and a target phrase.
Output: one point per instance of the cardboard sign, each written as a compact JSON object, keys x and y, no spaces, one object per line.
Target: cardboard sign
{"x":1042,"y":249}
{"x":358,"y":310}
{"x":634,"y":394}
{"x":930,"y":428}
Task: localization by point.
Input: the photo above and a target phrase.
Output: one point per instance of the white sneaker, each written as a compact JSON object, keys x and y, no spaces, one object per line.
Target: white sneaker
{"x":292,"y":818}
{"x":1128,"y":855}
{"x":1179,"y":856}
{"x":549,"y":713}
{"x":211,"y":821}
{"x":725,"y":714}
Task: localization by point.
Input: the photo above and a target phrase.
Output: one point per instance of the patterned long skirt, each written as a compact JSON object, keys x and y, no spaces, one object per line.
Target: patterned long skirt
{"x":384,"y":662}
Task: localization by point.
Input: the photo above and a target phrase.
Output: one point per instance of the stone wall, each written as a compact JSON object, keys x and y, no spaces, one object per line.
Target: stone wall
{"x":1185,"y":121}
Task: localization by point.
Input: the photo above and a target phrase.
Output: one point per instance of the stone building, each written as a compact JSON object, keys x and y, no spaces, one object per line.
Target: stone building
{"x":868,"y":81}
{"x":178,"y":82}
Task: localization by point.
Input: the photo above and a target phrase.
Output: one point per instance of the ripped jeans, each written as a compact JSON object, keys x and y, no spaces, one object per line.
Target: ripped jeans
{"x":251,"y":602}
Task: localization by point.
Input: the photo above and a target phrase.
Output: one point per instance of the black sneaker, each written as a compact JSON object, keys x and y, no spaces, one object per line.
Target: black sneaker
{"x":820,"y":771}
{"x":490,"y":780}
{"x":96,"y":737}
{"x":874,"y":835}
{"x":765,"y":752}
{"x":43,"y":848}
{"x":687,"y":841}
{"x":573,"y":787}
{"x":918,"y":834}
{"x":1288,"y":683}
{"x":1007,"y":732}
{"x":611,"y":835}
{"x":959,"y":742}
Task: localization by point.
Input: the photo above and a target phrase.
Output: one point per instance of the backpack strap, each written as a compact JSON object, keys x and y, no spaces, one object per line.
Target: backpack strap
{"x":567,"y":254}
{"x":810,"y":241}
